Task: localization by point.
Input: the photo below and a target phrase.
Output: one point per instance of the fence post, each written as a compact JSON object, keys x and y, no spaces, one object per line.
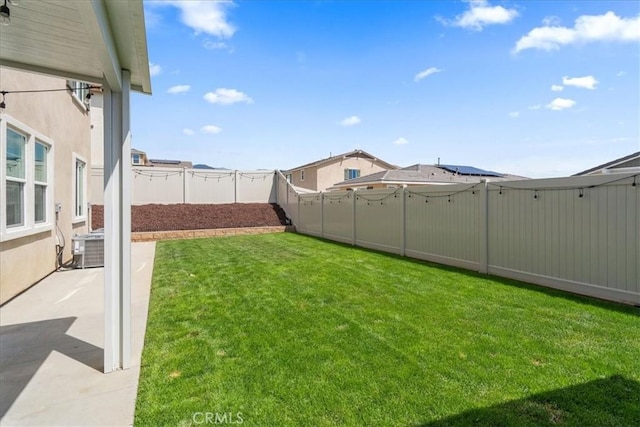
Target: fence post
{"x":276,"y":184}
{"x":322,"y":214}
{"x":484,"y":232}
{"x":235,"y":186}
{"x":298,"y":225}
{"x":403,"y":216}
{"x":355,"y":196}
{"x":184,"y":185}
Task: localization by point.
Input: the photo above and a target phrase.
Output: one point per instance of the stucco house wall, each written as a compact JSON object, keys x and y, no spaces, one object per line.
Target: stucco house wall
{"x":310,"y":180}
{"x":330,"y":174}
{"x":323,"y":174}
{"x":62,"y":121}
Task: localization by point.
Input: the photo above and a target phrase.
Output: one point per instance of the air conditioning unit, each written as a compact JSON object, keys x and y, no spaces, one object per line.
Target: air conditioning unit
{"x":88,"y":250}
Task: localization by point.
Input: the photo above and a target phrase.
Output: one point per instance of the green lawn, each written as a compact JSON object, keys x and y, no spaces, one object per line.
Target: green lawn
{"x":283,"y":329}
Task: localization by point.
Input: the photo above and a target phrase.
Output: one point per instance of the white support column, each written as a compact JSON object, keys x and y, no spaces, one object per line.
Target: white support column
{"x":125,"y":230}
{"x":117,"y":225}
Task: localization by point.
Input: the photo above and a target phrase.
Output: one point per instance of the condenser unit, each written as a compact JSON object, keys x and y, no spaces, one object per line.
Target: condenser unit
{"x":88,"y":250}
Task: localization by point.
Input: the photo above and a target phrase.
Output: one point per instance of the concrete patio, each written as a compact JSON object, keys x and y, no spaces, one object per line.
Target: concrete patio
{"x":51,"y":350}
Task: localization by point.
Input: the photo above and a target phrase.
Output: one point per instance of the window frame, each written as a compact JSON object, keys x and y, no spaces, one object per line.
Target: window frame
{"x":79,"y":92}
{"x":29,"y":225}
{"x":348,"y":171}
{"x":75,"y":219}
{"x":302,"y":175}
{"x":133,"y":159}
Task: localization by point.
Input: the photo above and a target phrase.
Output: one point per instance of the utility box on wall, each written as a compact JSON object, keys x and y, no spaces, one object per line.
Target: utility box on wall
{"x":88,"y":250}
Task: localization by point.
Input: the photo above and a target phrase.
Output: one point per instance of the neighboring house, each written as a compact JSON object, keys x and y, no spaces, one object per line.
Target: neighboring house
{"x":44,"y":154}
{"x":630,"y":163}
{"x":139,"y":158}
{"x":170,"y":163}
{"x":423,"y":174}
{"x":322,"y":174}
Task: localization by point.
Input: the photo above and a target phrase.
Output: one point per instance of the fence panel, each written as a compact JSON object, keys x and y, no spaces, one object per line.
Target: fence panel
{"x":379,"y":219}
{"x":338,"y":216}
{"x":444,"y":224}
{"x":157,"y":185}
{"x":578,"y":234}
{"x":310,"y":214}
{"x":255,"y":187}
{"x":209,"y":186}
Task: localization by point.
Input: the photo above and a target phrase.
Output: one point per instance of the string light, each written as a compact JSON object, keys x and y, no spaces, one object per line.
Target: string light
{"x":3,"y":104}
{"x":536,"y":190}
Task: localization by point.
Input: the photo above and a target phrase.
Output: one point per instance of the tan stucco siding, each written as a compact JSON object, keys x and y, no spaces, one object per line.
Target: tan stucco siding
{"x":65,"y":122}
{"x":330,"y":174}
{"x":310,"y":178}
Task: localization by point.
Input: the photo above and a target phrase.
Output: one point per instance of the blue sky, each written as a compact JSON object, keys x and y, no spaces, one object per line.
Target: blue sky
{"x":534,"y":88}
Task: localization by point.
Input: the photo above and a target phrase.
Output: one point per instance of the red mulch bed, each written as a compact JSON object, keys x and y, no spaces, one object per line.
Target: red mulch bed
{"x":197,"y":217}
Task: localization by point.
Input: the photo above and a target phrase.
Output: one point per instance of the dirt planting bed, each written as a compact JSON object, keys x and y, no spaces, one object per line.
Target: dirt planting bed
{"x":197,"y":217}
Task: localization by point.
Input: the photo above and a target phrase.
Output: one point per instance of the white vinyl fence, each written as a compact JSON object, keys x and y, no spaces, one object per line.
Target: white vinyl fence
{"x":579,"y":234}
{"x":196,"y":186}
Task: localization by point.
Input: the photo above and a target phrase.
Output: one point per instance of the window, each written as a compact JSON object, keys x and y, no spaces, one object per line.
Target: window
{"x":79,"y":188}
{"x":288,"y":177}
{"x":135,"y":159}
{"x":80,"y":92}
{"x":351,"y":174}
{"x":40,"y":182}
{"x":302,"y":175}
{"x":16,"y":177}
{"x":25,"y":180}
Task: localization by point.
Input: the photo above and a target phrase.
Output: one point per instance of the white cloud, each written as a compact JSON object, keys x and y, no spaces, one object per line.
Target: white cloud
{"x":587,"y":28}
{"x":187,"y":131}
{"x":481,"y":14}
{"x":514,"y":114}
{"x":179,"y":89}
{"x":209,"y":17}
{"x":534,"y":107}
{"x":154,"y":69}
{"x":225,"y":96}
{"x":351,"y":121}
{"x":426,"y":73}
{"x":211,"y":45}
{"x":211,"y":129}
{"x":557,"y":88}
{"x":400,"y":141}
{"x":561,"y":104}
{"x":551,"y":21}
{"x":621,"y":73}
{"x":586,"y":82}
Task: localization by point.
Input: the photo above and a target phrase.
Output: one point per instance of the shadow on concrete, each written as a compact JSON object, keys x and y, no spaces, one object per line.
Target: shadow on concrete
{"x":25,"y":346}
{"x":613,"y":401}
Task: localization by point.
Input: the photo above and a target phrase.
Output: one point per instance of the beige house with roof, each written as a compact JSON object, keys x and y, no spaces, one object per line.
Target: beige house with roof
{"x":44,"y":153}
{"x":322,"y":174}
{"x":629,"y":163}
{"x":419,"y":174}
